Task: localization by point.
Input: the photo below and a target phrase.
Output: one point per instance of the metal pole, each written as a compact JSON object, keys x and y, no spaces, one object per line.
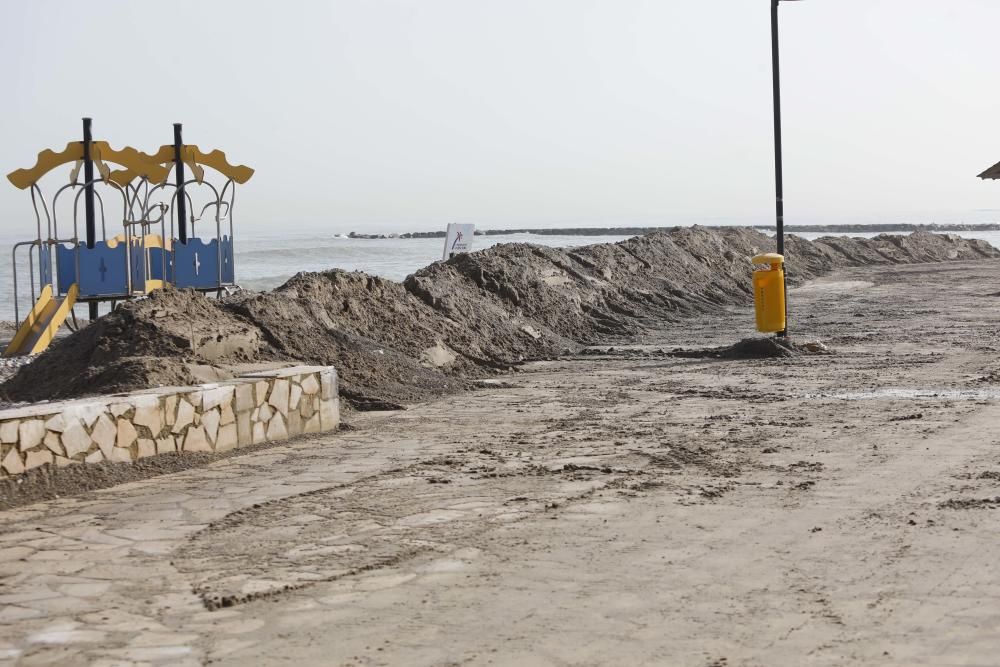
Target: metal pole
{"x":88,"y":199}
{"x":179,"y":173}
{"x":778,"y":176}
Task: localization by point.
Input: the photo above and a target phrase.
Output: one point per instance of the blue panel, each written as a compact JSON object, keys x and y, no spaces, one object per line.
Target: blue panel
{"x":196,"y":263}
{"x":65,"y":267}
{"x":102,"y":270}
{"x":45,"y":264}
{"x":156,"y":256}
{"x":138,"y":261}
{"x":228,"y":267}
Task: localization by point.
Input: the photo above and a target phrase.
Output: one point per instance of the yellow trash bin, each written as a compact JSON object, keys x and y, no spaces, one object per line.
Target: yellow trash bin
{"x":769,"y":292}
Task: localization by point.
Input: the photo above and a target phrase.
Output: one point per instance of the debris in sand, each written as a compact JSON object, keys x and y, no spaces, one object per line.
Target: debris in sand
{"x":971,"y":503}
{"x":815,"y":347}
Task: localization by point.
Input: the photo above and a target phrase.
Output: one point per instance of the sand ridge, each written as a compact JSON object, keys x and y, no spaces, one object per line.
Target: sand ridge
{"x":450,"y":322}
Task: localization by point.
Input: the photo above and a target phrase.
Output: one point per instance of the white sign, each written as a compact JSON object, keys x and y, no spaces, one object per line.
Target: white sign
{"x":458,"y":239}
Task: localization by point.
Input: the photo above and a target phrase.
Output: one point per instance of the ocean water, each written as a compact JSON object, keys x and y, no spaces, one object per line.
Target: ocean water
{"x":266,"y":260}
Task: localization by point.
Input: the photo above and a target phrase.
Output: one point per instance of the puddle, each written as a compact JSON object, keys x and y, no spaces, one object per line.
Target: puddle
{"x":945,"y":394}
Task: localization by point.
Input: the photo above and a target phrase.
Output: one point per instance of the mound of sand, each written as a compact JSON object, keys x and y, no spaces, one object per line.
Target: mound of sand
{"x":447,"y":323}
{"x":749,"y":348}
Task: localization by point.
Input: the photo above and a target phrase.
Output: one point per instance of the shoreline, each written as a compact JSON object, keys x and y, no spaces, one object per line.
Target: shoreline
{"x":875,"y":228}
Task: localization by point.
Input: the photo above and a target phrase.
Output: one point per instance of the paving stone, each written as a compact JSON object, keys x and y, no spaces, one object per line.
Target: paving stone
{"x":312,"y":424}
{"x":150,"y":654}
{"x":244,"y":431}
{"x":146,"y":448}
{"x":116,"y":620}
{"x":260,"y":388}
{"x":293,"y":397}
{"x":294,"y":424}
{"x":170,"y":409}
{"x":13,"y":613}
{"x":56,"y":423}
{"x":310,"y":385}
{"x":244,"y":397}
{"x":278,"y":398}
{"x":210,"y":420}
{"x":85,"y":590}
{"x":227,"y":438}
{"x":151,"y":417}
{"x":307,"y":408}
{"x":185,"y":416}
{"x":30,"y":434}
{"x":212,"y":398}
{"x":276,"y":429}
{"x":196,"y":441}
{"x":8,"y":431}
{"x":90,"y":413}
{"x":120,"y":455}
{"x":12,"y":463}
{"x":14,"y":553}
{"x":259,"y":433}
{"x":75,"y":439}
{"x":165,"y":445}
{"x":94,"y":457}
{"x":328,"y":380}
{"x":65,"y":633}
{"x":53,"y":443}
{"x":329,"y":414}
{"x":104,"y":434}
{"x":126,"y":434}
{"x":228,"y":416}
{"x":119,"y":409}
{"x":264,"y":413}
{"x":36,"y":458}
{"x":62,"y":461}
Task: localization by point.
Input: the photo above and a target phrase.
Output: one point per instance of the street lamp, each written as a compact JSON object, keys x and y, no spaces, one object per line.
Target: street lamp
{"x":778,"y":184}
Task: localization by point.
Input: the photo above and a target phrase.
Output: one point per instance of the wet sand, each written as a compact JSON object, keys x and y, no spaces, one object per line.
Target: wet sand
{"x":631,"y":507}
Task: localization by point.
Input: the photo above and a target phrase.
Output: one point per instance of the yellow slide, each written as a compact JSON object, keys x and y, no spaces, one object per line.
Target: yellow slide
{"x":41,"y":324}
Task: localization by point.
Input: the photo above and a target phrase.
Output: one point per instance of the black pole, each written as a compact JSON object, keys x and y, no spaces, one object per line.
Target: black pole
{"x":778,"y":176}
{"x":179,"y":171}
{"x":88,"y":199}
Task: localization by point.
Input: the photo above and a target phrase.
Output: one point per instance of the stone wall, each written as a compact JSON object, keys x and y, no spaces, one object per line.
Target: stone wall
{"x":266,"y":406}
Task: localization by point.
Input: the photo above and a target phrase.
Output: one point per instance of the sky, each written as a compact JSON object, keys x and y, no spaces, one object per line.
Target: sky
{"x":404,"y":115}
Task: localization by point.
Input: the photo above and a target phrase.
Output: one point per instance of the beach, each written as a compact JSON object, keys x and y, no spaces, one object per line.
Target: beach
{"x":450,"y":323}
{"x":619,"y":504}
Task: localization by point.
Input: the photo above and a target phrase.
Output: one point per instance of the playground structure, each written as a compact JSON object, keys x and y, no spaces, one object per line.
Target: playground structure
{"x":158,"y":243}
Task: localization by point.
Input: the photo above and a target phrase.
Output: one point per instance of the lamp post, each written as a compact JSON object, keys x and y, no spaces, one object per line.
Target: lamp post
{"x":88,"y":200}
{"x":778,"y":180}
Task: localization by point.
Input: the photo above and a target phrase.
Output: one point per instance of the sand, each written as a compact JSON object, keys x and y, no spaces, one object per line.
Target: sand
{"x":452,"y":322}
{"x":633,"y":506}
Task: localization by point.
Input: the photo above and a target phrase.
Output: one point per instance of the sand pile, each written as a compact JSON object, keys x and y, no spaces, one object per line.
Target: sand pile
{"x":154,"y":341}
{"x":758,"y":347}
{"x":449,"y":322}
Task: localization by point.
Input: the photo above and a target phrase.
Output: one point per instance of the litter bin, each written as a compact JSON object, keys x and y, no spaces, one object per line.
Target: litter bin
{"x":769,"y":292}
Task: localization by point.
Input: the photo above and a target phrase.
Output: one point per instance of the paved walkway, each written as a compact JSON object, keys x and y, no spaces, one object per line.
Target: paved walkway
{"x":635,"y":509}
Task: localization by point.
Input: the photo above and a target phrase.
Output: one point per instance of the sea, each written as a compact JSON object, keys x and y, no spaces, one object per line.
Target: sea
{"x":266,"y":260}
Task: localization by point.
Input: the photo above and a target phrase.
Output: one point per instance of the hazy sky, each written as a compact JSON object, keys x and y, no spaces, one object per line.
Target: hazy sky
{"x":407,"y":114}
